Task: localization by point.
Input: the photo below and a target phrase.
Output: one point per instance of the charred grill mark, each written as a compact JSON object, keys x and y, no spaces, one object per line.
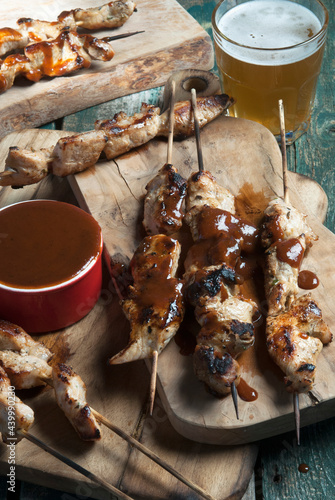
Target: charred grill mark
{"x":211,"y":283}
{"x":242,"y":329}
{"x":306,"y":367}
{"x":215,"y":364}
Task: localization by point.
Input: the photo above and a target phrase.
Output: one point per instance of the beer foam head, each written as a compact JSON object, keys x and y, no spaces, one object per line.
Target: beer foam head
{"x":268,"y":24}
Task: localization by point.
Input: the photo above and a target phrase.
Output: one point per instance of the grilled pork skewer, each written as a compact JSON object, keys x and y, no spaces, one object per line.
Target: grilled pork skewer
{"x":212,"y":282}
{"x":111,"y":15}
{"x":163,"y":211}
{"x":15,"y":420}
{"x":60,"y":56}
{"x":113,"y":137}
{"x":154,"y":305}
{"x":295,"y":329}
{"x":69,"y":396}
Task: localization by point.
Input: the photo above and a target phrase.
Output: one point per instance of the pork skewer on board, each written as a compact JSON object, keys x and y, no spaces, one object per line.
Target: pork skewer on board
{"x":70,"y":394}
{"x":111,"y":15}
{"x":295,"y":329}
{"x":15,"y":420}
{"x":163,"y":210}
{"x":113,"y":137}
{"x":212,"y":281}
{"x":60,"y":56}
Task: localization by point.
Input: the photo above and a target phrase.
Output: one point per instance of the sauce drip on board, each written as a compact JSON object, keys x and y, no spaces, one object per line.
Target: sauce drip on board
{"x":307,"y":280}
{"x":45,"y":243}
{"x":290,"y":251}
{"x":303,"y":468}
{"x":246,"y":392}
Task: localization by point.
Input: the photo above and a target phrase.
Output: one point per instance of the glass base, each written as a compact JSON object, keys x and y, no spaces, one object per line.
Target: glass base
{"x":291,"y":137}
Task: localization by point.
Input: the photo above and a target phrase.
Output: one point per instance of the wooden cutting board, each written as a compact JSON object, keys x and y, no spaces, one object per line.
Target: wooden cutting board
{"x":172,"y":40}
{"x":246,"y":159}
{"x":113,"y":191}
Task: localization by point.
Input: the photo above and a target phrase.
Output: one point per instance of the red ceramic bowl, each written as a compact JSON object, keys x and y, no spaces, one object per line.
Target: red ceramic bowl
{"x":50,"y":264}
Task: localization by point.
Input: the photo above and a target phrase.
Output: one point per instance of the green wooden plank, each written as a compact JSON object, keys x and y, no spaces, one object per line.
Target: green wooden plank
{"x":281,"y":457}
{"x":33,"y":492}
{"x":313,"y":154}
{"x":84,"y":120}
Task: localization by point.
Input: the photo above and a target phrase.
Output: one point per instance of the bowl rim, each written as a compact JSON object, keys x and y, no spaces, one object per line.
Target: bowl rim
{"x":68,"y":282}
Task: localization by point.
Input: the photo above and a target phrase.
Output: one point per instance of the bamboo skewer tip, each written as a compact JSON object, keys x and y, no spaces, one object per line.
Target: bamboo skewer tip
{"x":235,"y":399}
{"x":297,"y":416}
{"x":153,"y":382}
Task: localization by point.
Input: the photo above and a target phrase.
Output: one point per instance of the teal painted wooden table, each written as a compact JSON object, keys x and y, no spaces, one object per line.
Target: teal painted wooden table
{"x":276,"y":473}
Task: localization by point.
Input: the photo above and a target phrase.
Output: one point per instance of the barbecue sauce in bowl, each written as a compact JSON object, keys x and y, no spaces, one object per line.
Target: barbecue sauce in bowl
{"x":50,"y":264}
{"x":45,"y":243}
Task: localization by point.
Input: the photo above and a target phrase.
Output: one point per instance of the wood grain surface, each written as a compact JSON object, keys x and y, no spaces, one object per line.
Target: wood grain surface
{"x":140,"y":62}
{"x":119,"y":394}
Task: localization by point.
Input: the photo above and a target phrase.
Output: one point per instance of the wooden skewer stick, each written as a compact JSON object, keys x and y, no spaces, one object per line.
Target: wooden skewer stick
{"x":286,"y":199}
{"x":283,"y":150}
{"x":297,"y":415}
{"x":197,"y":129}
{"x":153,"y":381}
{"x":150,"y":454}
{"x":153,"y":378}
{"x":171,"y":123}
{"x":74,"y":465}
{"x":201,"y":168}
{"x":124,"y":35}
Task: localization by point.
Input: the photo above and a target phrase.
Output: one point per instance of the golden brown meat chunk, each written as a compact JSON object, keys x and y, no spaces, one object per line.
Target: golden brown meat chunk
{"x":14,"y":338}
{"x":163,"y":202}
{"x":208,"y":108}
{"x":25,"y":371}
{"x":295,"y":339}
{"x":14,"y":415}
{"x":70,"y":393}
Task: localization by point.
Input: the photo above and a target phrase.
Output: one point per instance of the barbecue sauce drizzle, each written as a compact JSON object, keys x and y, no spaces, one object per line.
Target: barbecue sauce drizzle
{"x":228,"y":239}
{"x":291,"y":252}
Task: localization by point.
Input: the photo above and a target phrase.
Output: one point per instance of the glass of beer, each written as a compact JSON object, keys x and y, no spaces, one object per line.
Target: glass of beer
{"x":268,"y":50}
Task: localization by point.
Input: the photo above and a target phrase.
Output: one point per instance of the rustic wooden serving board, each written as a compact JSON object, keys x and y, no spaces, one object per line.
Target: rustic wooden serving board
{"x":246,"y":159}
{"x":120,"y":393}
{"x":172,"y":40}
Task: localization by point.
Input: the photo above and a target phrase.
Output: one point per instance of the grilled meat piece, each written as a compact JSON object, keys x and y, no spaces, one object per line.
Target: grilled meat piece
{"x":208,"y":108}
{"x":226,"y":325}
{"x":163,"y":212}
{"x":77,"y":152}
{"x":128,"y":132}
{"x":154,"y":305}
{"x":14,"y":338}
{"x":26,"y":166}
{"x":281,"y":277}
{"x":283,"y":222}
{"x":24,"y":371}
{"x":12,"y":406}
{"x":11,"y":39}
{"x":294,"y":339}
{"x":217,"y":369}
{"x":286,"y":237}
{"x":110,"y":15}
{"x":70,"y":393}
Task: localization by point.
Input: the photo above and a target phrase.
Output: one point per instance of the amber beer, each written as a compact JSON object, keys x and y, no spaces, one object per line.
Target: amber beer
{"x":268,"y":50}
